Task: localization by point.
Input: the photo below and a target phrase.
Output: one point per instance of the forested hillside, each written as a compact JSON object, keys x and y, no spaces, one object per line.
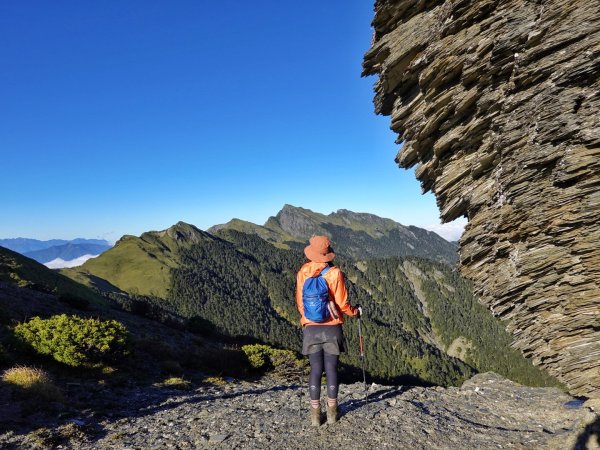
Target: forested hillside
{"x":414,"y":310}
{"x":421,"y":323}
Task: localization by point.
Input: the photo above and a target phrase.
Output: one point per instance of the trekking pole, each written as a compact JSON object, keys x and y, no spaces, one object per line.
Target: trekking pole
{"x":362,"y":355}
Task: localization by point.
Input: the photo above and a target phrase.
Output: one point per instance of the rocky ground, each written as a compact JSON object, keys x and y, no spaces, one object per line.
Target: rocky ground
{"x":486,"y":412}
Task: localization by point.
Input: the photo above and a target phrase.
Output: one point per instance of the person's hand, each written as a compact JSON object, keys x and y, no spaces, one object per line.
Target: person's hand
{"x":359,"y":309}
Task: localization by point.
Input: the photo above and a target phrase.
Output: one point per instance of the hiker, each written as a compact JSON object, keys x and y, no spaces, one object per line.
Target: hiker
{"x":321,"y":306}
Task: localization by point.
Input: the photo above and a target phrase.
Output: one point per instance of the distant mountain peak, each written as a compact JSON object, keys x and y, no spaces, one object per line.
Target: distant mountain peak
{"x":298,"y":222}
{"x":356,"y":235}
{"x":124,"y":238}
{"x":183,"y":231}
{"x":295,"y":210}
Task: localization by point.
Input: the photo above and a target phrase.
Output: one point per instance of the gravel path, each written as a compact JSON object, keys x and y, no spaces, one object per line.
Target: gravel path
{"x":486,"y":412}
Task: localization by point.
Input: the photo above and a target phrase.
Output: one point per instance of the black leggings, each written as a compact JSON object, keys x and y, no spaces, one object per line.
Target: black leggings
{"x":317,"y":361}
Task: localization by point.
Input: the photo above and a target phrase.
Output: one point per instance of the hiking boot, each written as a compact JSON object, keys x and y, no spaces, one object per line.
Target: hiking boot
{"x":333,"y":414}
{"x":315,"y":416}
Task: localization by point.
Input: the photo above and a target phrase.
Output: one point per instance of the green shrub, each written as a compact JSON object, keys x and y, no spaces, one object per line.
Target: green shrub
{"x":54,"y":437}
{"x":74,"y":340}
{"x":219,"y":381}
{"x":283,"y":362}
{"x":258,"y":355}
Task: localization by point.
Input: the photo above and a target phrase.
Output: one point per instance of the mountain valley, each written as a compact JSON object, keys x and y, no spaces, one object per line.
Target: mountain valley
{"x":422,"y":321}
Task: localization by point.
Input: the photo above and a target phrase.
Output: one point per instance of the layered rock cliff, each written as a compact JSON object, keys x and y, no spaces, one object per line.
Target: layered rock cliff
{"x":497,"y":104}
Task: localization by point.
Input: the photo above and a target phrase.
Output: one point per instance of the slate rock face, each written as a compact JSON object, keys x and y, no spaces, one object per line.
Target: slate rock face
{"x":497,"y":103}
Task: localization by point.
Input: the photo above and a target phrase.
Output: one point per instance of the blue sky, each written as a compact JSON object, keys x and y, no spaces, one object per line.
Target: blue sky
{"x":123,"y":117}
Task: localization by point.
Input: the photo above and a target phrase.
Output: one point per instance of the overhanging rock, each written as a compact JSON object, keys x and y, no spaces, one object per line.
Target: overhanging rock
{"x":498,"y":105}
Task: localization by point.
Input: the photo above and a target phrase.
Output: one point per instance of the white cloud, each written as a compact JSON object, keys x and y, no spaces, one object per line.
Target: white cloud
{"x":59,"y":263}
{"x":450,"y":231}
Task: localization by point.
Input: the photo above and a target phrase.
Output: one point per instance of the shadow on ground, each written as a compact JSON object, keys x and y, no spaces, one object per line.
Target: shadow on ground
{"x":589,"y":436}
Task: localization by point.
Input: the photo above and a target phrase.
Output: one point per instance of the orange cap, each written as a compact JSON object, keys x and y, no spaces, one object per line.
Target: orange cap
{"x":319,"y":249}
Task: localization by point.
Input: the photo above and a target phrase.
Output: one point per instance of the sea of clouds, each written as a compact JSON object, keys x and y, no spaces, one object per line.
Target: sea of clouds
{"x":59,"y":263}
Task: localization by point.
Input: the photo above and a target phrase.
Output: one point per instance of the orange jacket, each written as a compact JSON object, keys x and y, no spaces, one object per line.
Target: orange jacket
{"x":337,"y":292}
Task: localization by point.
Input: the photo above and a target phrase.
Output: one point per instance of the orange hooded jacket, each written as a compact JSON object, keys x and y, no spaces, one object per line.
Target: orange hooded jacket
{"x":337,"y":292}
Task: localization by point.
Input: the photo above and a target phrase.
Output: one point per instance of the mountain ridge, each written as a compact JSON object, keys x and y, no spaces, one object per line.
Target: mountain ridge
{"x":148,"y":259}
{"x":355,"y":235}
{"x":23,"y":245}
{"x":352,"y":237}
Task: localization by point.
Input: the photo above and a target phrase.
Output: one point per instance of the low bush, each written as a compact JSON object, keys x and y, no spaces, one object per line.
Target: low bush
{"x":75,"y":341}
{"x":58,"y":437}
{"x":177,"y":383}
{"x":32,"y":382}
{"x":219,"y":381}
{"x":258,"y":355}
{"x":282,"y":362}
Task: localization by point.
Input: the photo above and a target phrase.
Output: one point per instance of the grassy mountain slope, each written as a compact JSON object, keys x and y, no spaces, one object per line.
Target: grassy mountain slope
{"x":277,"y":237}
{"x":27,"y":273}
{"x":354,"y":235}
{"x":140,"y":265}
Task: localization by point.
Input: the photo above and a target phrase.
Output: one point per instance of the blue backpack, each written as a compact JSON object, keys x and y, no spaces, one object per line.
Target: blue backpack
{"x":315,"y":297}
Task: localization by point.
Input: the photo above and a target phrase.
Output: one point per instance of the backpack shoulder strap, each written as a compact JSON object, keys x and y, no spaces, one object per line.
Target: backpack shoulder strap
{"x":325,"y":269}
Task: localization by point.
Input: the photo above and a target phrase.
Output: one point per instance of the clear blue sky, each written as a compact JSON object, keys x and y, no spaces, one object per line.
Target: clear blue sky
{"x":123,"y":117}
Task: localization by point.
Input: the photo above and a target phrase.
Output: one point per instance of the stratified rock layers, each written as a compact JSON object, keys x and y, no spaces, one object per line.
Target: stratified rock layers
{"x":498,"y":105}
